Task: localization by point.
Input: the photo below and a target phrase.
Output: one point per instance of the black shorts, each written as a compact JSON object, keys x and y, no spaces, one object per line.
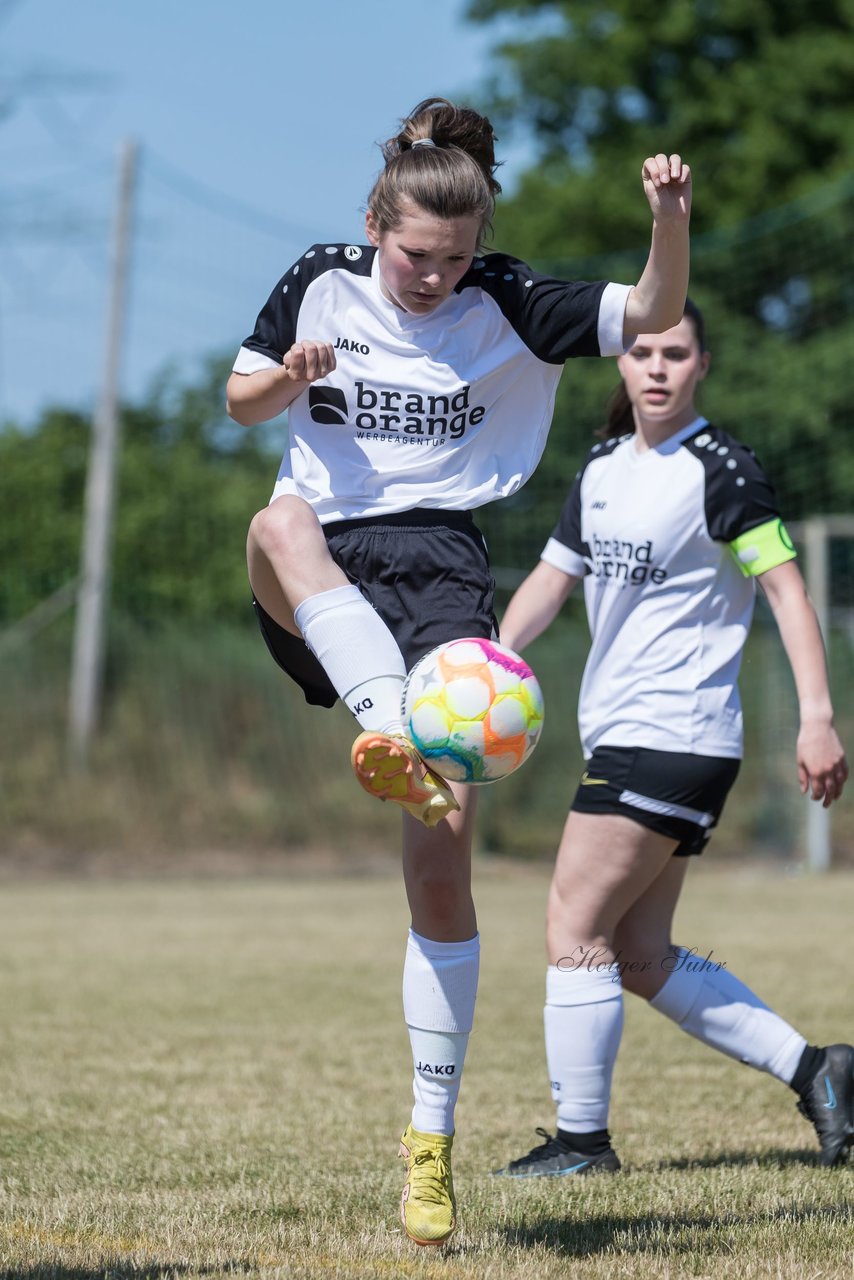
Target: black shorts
{"x":425,"y":572}
{"x":679,"y":795}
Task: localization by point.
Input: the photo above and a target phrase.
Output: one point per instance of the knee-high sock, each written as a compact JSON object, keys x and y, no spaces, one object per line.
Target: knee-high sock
{"x":711,"y":1004}
{"x":358,"y":653}
{"x":583,"y":1020}
{"x":439,"y":991}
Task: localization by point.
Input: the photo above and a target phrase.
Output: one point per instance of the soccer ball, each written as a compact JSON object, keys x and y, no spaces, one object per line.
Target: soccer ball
{"x":473,"y":709}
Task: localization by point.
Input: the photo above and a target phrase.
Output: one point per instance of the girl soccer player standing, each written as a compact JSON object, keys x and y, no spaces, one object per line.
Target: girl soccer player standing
{"x":420,"y":380}
{"x":670,"y":523}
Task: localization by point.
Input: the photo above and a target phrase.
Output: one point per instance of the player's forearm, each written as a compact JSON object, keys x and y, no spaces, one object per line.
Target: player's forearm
{"x":535,"y":605}
{"x":525,"y":619}
{"x":805,"y":650}
{"x":657,"y":301}
{"x":802,"y":640}
{"x":257,"y":397}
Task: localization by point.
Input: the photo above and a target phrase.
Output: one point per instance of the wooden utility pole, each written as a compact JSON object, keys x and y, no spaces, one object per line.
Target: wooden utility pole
{"x":93,"y":592}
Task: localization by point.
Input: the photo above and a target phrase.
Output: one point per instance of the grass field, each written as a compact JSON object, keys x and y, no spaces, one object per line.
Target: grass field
{"x":209,"y":1078}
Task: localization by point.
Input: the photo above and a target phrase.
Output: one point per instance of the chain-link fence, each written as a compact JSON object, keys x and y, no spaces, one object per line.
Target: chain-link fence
{"x":203,"y":745}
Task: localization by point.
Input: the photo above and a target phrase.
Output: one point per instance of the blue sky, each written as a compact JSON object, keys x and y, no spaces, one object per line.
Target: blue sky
{"x":257,"y":129}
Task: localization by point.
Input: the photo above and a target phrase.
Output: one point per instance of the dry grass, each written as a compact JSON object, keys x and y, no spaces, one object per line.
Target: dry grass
{"x":208,"y":747}
{"x":202,"y":1079}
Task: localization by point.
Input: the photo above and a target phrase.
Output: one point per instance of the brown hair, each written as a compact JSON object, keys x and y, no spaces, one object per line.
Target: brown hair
{"x":453,"y":178}
{"x":619,"y":419}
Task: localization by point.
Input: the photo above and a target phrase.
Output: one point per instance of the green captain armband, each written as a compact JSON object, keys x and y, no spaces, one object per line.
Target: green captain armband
{"x":762,"y":548}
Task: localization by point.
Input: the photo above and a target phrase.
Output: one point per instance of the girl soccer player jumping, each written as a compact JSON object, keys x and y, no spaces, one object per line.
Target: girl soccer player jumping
{"x":420,"y":379}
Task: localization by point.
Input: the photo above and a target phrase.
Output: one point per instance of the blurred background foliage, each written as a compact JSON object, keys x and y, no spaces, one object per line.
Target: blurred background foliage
{"x":203,"y":745}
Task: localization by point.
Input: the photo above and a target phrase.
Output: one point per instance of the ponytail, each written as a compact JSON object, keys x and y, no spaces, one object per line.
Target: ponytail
{"x":620,"y":420}
{"x":442,"y":161}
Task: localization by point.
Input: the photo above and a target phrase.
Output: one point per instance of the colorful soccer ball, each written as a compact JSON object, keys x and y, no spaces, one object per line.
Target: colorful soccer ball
{"x":474,"y":710}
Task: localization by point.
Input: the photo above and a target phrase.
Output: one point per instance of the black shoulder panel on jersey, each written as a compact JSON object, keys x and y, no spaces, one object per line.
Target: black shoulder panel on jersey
{"x":555,"y":319}
{"x":276,"y":326}
{"x":567,"y":531}
{"x":738,"y":495}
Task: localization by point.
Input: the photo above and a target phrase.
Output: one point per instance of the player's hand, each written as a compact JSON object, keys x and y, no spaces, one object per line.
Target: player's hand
{"x":308,"y":361}
{"x":822,"y":767}
{"x":667,"y":186}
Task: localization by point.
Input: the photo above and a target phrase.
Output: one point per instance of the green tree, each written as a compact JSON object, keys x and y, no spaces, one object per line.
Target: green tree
{"x":757,"y":96}
{"x":42,"y":475}
{"x":189,"y":482}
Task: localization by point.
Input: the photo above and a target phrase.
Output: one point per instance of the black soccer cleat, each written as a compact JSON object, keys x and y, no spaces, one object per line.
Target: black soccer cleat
{"x":553,"y":1158}
{"x":828,"y":1103}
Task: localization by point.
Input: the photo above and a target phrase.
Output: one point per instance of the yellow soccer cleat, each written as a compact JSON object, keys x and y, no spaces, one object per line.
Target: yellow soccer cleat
{"x":428,"y":1209}
{"x":388,"y":767}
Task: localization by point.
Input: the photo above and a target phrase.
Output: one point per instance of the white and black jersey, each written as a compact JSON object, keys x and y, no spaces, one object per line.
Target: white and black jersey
{"x":669,"y":541}
{"x":448,"y":410}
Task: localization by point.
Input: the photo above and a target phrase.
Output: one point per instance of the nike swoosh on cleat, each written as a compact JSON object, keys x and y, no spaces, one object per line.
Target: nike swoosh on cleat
{"x":574,"y":1168}
{"x":587,"y":781}
{"x":831,"y":1096}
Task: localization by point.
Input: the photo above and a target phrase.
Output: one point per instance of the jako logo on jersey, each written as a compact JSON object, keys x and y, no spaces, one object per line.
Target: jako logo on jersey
{"x":436,"y":1068}
{"x":350,"y":344}
{"x":599,"y":506}
{"x":327,"y":405}
{"x":364,"y":705}
{"x":630,"y":562}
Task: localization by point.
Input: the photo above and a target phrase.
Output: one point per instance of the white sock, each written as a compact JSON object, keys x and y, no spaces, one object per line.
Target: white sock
{"x":711,"y":1004}
{"x":439,"y":991}
{"x":358,"y":653}
{"x":584,"y":1022}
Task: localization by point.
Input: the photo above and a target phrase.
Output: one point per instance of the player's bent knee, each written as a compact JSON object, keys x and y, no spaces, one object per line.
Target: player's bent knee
{"x":285,"y":530}
{"x":642,"y":958}
{"x":439,"y":911}
{"x":562,"y":900}
{"x":439,"y":893}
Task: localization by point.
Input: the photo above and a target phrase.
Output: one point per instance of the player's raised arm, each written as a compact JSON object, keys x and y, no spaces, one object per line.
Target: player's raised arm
{"x":658,"y":299}
{"x":256,"y":397}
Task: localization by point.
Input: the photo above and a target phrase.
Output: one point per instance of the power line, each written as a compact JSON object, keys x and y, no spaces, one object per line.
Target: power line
{"x":221,"y":203}
{"x":820,"y":200}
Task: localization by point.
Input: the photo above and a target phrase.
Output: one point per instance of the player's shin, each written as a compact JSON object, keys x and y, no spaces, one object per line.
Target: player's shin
{"x":439,"y":991}
{"x":358,"y":653}
{"x":437,"y":1058}
{"x":711,"y":1004}
{"x":583,"y":1020}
